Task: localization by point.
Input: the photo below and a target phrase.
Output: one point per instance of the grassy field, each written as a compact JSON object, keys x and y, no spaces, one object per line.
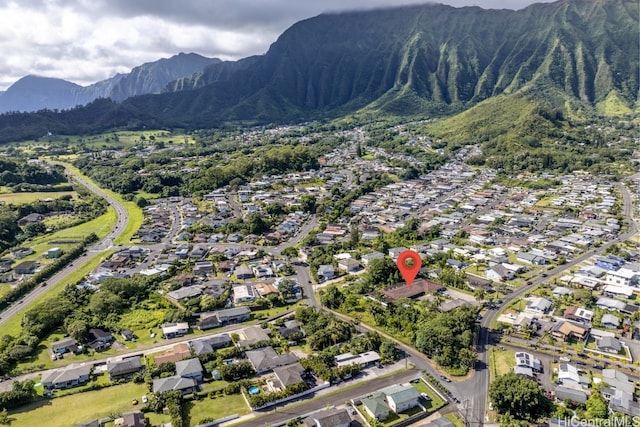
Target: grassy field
{"x":501,"y":362}
{"x":435,"y":403}
{"x":68,"y":410}
{"x":219,"y":407}
{"x":22,"y":198}
{"x":456,"y":421}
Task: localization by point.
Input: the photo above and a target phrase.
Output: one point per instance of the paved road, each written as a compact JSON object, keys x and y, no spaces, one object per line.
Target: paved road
{"x":104,"y":244}
{"x":476,"y":388}
{"x":282,"y":414}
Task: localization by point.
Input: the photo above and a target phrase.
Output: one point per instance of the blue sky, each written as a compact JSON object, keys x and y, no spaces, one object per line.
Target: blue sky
{"x":85,"y":41}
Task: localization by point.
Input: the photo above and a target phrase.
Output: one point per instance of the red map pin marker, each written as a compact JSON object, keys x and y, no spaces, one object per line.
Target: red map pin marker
{"x":409,"y":272}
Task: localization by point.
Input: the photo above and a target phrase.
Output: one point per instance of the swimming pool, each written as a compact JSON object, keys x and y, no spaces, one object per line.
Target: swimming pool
{"x":254,"y":390}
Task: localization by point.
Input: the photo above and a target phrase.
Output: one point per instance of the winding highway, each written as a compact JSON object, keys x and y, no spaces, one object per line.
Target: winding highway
{"x":105,"y":244}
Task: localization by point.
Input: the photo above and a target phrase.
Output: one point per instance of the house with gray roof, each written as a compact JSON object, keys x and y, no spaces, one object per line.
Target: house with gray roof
{"x":190,"y":368}
{"x":376,"y":407}
{"x":401,"y":397}
{"x":610,"y":321}
{"x":328,"y":418}
{"x":288,"y":375}
{"x":254,"y":335}
{"x":124,"y":368}
{"x":266,"y":359}
{"x":210,"y":344}
{"x":67,"y":377}
{"x":185,"y":293}
{"x":566,"y":393}
{"x":176,"y":382}
{"x":609,"y":344}
{"x":617,"y":380}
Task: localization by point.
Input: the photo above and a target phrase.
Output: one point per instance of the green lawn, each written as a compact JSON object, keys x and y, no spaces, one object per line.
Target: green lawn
{"x":455,"y":420}
{"x":435,"y":403}
{"x":221,"y":406}
{"x":501,"y":362}
{"x":23,"y":198}
{"x":77,"y":408}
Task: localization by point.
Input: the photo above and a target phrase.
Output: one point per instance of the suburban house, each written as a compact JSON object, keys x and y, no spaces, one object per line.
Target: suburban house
{"x":376,"y":407}
{"x":609,"y":344}
{"x":621,"y":277}
{"x":69,"y":376}
{"x":176,"y":382}
{"x":210,"y":344}
{"x":499,"y":273}
{"x":326,"y":272}
{"x":578,"y":314}
{"x":244,"y":293}
{"x":527,"y":360}
{"x":131,"y":419}
{"x":569,"y":376}
{"x":32,"y":218}
{"x":266,"y":359}
{"x":401,"y":397}
{"x":567,"y":331}
{"x":190,"y":368}
{"x":286,"y":376}
{"x":289,"y":328}
{"x":538,"y":305}
{"x":572,"y":394}
{"x":224,"y":317}
{"x":124,"y":368}
{"x":99,"y":340}
{"x":174,"y":330}
{"x":363,"y":359}
{"x":185,"y":293}
{"x":328,"y":418}
{"x":179,"y":352}
{"x":243,"y":272}
{"x":349,"y":265}
{"x":26,"y":267}
{"x":66,"y":345}
{"x":253,"y":335}
{"x":617,"y":380}
{"x":610,"y":321}
{"x":367,"y":258}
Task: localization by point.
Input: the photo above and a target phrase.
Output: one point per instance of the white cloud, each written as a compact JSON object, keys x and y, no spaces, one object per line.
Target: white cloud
{"x":85,"y":41}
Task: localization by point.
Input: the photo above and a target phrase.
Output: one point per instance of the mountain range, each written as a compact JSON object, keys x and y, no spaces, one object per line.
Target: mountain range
{"x":425,"y":60}
{"x":33,"y":93}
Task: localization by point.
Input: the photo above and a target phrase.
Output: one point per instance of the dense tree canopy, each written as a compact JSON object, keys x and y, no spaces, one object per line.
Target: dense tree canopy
{"x":522,"y":398}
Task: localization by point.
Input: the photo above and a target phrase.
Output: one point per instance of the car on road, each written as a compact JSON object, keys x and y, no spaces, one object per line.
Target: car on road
{"x":443,"y":378}
{"x":21,"y":301}
{"x":598,"y":367}
{"x":544,"y":274}
{"x":44,"y":284}
{"x":415,"y":380}
{"x":529,"y":282}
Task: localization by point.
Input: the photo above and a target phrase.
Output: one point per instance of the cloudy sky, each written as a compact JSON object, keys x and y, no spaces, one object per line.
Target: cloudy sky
{"x":85,"y":41}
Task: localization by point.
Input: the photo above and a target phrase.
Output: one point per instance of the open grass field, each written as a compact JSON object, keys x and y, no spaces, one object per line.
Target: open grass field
{"x":69,"y":410}
{"x":22,"y":198}
{"x":219,"y":407}
{"x":501,"y":362}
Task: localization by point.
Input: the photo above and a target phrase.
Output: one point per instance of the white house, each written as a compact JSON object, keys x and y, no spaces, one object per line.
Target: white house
{"x":401,"y":397}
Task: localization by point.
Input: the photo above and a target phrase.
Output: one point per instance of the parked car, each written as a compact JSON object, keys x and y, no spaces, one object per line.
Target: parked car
{"x":425,"y":396}
{"x":145,"y":399}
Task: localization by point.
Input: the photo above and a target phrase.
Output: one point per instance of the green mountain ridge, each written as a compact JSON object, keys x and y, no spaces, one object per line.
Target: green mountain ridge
{"x":422,"y":61}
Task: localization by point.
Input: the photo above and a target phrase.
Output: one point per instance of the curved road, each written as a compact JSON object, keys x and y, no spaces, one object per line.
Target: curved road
{"x":104,"y":244}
